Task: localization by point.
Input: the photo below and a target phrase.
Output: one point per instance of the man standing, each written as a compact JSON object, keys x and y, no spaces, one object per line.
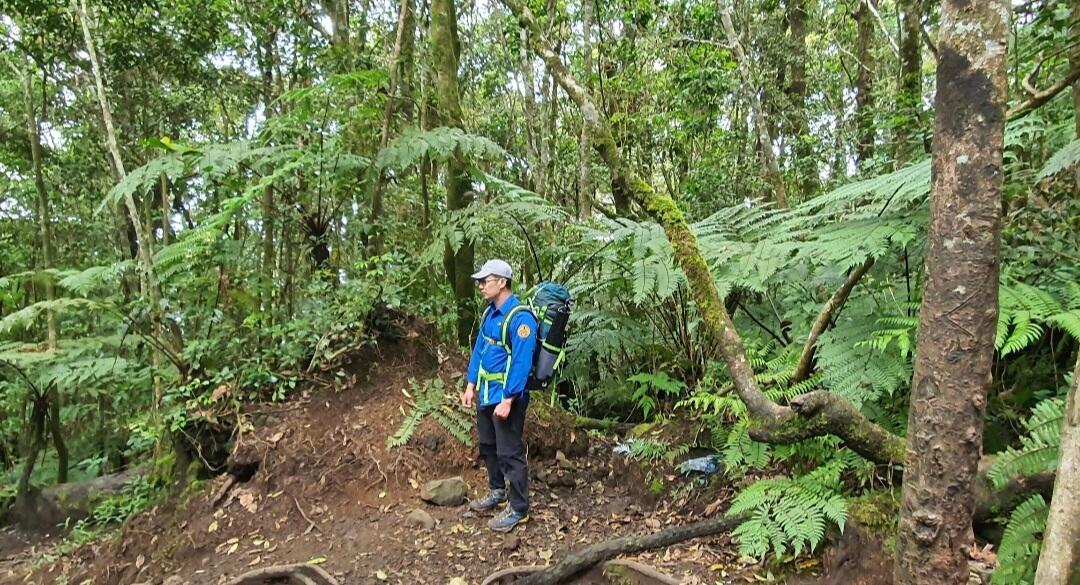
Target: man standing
{"x":501,"y":361}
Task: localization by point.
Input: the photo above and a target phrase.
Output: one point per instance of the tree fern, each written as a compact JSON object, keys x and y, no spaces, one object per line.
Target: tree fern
{"x":790,"y":513}
{"x":432,"y":399}
{"x":1067,"y":157}
{"x":1038,"y":451}
{"x":1018,"y":554}
{"x":412,"y":145}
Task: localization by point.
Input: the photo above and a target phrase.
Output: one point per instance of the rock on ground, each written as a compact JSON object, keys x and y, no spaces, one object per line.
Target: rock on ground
{"x":451,"y":491}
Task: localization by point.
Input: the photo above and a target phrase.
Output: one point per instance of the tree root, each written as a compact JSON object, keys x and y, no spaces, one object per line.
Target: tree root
{"x":593,"y":554}
{"x":299,"y":574}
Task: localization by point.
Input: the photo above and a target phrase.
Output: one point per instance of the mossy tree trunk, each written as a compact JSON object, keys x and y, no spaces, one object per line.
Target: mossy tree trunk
{"x":814,"y":414}
{"x":457,"y":263}
{"x":959,"y":311}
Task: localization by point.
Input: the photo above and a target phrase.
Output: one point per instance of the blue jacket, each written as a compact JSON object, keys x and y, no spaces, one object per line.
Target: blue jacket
{"x":488,"y":367}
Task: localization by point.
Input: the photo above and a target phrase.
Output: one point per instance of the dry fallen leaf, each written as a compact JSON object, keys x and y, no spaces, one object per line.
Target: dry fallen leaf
{"x":213,"y":526}
{"x":380,"y":575}
{"x":545,"y":554}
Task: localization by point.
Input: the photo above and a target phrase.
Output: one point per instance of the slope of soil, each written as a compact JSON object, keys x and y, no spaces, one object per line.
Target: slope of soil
{"x":328,"y":491}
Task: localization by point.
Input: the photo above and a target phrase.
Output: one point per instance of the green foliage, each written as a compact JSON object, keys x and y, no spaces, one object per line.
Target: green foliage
{"x":650,"y":389}
{"x":432,"y":398}
{"x":439,"y":144}
{"x":790,"y":514}
{"x":1038,"y":451}
{"x":1067,"y":157}
{"x":1018,"y":554}
{"x":1025,"y":311}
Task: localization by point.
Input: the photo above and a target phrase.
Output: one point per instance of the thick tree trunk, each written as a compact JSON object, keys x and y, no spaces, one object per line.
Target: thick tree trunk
{"x":44,"y":214}
{"x":959,"y":309}
{"x":750,"y":92}
{"x":864,"y":82}
{"x":459,"y":263}
{"x":909,"y":98}
{"x":1059,"y":559}
{"x":34,"y":443}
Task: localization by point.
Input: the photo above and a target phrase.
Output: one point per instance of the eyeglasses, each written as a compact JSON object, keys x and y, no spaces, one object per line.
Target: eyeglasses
{"x":482,"y":281}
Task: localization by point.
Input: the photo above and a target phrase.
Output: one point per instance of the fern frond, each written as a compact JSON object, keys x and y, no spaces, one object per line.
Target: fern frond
{"x":1018,"y":553}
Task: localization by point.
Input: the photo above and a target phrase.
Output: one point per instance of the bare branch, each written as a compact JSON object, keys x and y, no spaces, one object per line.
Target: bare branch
{"x":806,"y":359}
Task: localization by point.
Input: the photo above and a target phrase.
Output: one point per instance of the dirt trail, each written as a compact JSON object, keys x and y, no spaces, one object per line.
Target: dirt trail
{"x":329,"y":492}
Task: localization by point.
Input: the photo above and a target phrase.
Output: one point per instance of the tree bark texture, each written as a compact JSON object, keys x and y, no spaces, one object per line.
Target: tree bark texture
{"x":33,"y":129}
{"x":750,"y":91}
{"x":1059,"y":559}
{"x":864,"y":82}
{"x":459,"y":263}
{"x":532,"y":128}
{"x":818,"y":413}
{"x":959,"y":309}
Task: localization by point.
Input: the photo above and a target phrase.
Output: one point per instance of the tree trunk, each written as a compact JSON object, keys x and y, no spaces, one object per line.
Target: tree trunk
{"x":146,"y":251}
{"x":1074,"y":64}
{"x":959,"y":309}
{"x":402,"y":48}
{"x":1059,"y":559}
{"x":864,"y":83}
{"x":909,"y":97}
{"x":804,"y":150}
{"x":34,"y":443}
{"x":532,"y":129}
{"x":750,"y":91}
{"x":56,"y":431}
{"x":585,"y":189}
{"x":43,"y":212}
{"x":458,"y":263}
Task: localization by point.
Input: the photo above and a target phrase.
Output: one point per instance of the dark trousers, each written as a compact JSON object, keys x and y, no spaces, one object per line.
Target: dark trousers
{"x":503,"y":448}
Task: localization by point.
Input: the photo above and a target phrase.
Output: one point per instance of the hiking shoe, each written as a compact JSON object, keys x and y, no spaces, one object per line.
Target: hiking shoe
{"x":506,"y":521}
{"x":489,"y":502}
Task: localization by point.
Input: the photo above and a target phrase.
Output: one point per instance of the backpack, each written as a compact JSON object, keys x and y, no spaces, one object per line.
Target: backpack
{"x":550,"y":304}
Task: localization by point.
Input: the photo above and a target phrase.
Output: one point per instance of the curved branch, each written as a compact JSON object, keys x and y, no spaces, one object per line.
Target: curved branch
{"x":1041,"y":96}
{"x":806,"y":359}
{"x":821,"y":413}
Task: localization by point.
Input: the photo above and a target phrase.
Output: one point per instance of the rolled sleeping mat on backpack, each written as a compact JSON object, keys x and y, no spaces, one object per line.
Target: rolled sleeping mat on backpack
{"x":551,"y":348}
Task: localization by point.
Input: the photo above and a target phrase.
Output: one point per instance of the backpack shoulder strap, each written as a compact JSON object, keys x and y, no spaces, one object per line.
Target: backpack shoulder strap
{"x":506,"y":337}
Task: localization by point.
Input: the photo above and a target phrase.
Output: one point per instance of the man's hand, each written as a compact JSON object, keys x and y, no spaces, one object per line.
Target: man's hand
{"x":467,"y":396}
{"x":503,"y":409}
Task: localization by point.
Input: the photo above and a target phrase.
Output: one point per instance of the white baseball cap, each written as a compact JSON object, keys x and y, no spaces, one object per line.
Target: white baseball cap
{"x":494,"y":267}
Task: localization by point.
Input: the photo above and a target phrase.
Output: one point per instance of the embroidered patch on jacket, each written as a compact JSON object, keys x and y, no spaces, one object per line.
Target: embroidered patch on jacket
{"x":524,"y":331}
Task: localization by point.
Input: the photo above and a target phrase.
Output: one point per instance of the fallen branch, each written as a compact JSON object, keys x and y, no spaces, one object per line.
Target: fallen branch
{"x":599,"y":424}
{"x":806,"y":359}
{"x":311,"y":525}
{"x":593,"y":554}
